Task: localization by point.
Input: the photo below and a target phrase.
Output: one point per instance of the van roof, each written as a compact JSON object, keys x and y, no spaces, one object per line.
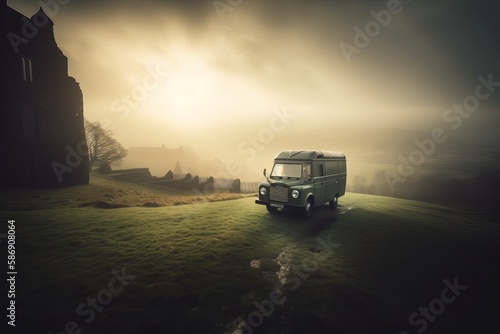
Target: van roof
{"x":309,"y":155}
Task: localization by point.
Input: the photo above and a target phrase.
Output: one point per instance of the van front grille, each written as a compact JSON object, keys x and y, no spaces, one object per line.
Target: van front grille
{"x":279,"y":194}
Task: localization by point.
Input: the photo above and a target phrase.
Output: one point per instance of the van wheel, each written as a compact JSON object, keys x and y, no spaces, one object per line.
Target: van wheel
{"x":308,"y":209}
{"x":271,"y":209}
{"x":333,"y":203}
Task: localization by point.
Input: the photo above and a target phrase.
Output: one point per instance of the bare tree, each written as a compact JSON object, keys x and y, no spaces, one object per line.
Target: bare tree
{"x":102,"y":146}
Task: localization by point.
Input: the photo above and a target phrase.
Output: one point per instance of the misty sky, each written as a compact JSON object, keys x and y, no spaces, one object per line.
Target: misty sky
{"x":186,"y":73}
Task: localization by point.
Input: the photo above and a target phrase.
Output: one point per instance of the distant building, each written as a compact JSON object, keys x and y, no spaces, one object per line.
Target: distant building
{"x":160,"y":159}
{"x":177,"y":169}
{"x":42,"y":140}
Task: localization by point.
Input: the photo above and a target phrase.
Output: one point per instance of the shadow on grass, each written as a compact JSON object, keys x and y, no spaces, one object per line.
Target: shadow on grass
{"x":322,"y":219}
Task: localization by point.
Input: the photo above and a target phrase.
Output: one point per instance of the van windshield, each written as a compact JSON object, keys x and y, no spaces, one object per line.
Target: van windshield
{"x":287,"y":171}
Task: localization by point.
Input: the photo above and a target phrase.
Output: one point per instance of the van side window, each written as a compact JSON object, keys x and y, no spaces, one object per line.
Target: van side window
{"x":331,"y":167}
{"x":318,"y":170}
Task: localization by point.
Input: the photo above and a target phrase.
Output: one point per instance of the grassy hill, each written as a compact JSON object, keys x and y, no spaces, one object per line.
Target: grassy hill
{"x":105,"y":192}
{"x":364,"y":268}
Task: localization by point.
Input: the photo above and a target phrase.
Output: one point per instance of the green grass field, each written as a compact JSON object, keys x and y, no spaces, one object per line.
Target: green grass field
{"x":198,"y":268}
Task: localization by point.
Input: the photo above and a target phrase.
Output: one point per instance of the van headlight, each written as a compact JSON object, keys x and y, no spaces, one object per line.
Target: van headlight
{"x":295,"y":194}
{"x":262,"y":191}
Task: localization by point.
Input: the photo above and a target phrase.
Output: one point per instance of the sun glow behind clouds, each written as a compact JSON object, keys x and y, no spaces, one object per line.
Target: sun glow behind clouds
{"x":196,"y":94}
{"x":205,"y":85}
{"x":182,"y":98}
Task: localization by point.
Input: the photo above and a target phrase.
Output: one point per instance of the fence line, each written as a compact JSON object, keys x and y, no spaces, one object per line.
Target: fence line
{"x":226,"y":184}
{"x":249,"y":187}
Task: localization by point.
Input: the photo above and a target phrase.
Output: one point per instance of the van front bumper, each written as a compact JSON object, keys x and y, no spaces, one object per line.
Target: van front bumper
{"x":279,"y":205}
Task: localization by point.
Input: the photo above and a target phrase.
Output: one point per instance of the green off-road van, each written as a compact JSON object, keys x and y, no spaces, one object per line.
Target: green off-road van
{"x":304,"y":180}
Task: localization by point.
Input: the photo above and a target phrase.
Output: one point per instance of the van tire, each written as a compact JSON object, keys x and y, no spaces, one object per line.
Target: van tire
{"x":308,"y":208}
{"x":333,"y":203}
{"x":271,"y":209}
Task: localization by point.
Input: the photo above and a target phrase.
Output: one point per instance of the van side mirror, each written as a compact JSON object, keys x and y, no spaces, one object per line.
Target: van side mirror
{"x":265,"y":172}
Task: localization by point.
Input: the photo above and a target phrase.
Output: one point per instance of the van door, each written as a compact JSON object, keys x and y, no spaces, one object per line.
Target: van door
{"x":332,"y":179}
{"x":319,"y":183}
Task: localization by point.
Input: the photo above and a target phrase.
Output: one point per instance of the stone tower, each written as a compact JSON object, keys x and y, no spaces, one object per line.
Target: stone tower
{"x":41,"y":107}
